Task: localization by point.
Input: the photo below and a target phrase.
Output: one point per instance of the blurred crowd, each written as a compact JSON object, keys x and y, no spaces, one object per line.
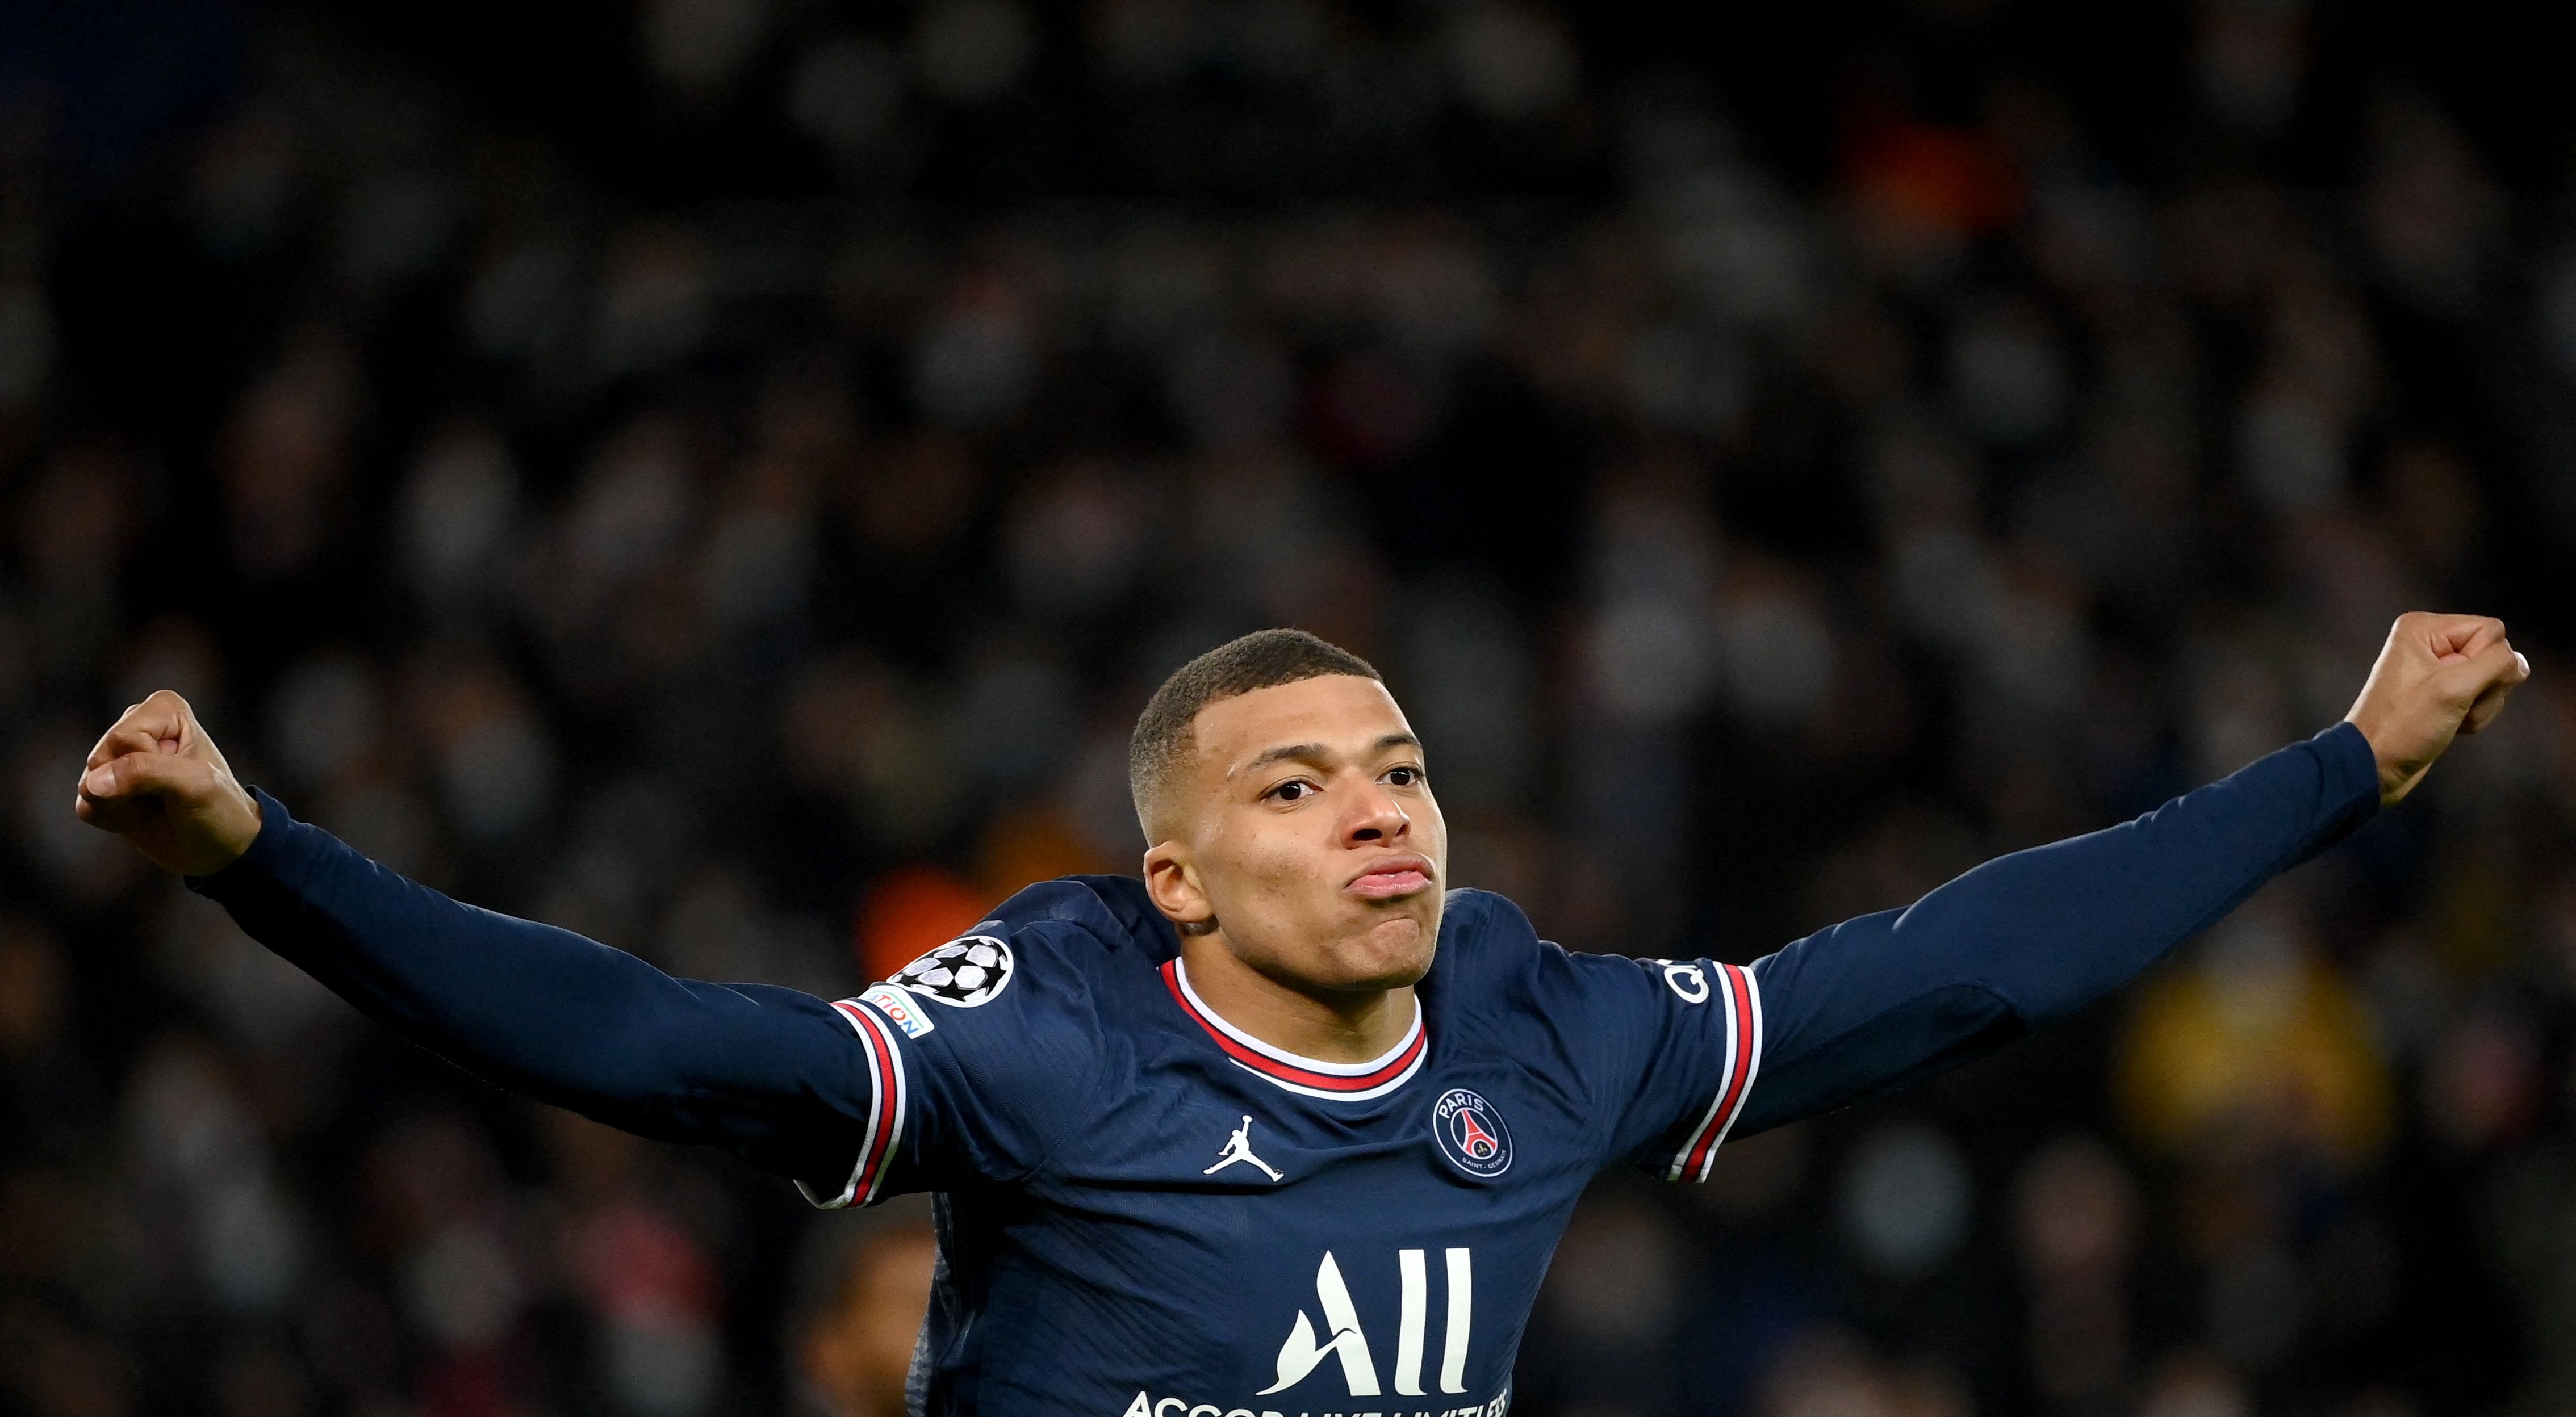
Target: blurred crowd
{"x":735,"y":506}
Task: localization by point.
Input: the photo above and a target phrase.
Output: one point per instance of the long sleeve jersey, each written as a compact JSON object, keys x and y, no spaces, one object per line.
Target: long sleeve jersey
{"x":1146,"y":1212}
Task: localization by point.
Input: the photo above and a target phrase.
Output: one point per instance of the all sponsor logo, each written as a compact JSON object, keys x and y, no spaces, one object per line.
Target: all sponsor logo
{"x":1471,"y":1134}
{"x":967,"y":971}
{"x":1348,"y":1343}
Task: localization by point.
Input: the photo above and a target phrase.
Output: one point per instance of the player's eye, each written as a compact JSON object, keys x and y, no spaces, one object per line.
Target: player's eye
{"x":1293,"y":790}
{"x":1407,"y":776}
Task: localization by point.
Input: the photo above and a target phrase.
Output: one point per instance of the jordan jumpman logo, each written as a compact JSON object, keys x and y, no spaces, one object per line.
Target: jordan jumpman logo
{"x":1239,"y":1148}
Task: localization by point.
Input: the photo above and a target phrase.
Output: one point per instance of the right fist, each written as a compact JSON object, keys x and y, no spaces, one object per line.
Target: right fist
{"x":157,"y":781}
{"x":2439,"y":676}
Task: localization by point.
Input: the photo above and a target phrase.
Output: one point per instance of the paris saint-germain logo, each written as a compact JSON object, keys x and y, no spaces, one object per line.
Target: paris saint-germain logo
{"x":1471,"y":1134}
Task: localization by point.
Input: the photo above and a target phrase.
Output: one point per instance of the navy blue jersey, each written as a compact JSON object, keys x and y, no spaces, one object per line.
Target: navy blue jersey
{"x":1213,"y":1221}
{"x":1144,"y":1212}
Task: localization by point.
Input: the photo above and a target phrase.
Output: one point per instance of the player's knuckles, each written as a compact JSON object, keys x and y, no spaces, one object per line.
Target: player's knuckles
{"x":2452,"y":687}
{"x":161,"y":712}
{"x":137,"y":773}
{"x":2480,"y":629}
{"x":138,"y":726}
{"x":2501,"y":664}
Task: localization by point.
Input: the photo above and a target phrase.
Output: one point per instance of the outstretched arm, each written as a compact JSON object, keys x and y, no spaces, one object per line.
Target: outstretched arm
{"x":770,"y":1074}
{"x":1871,"y":1004}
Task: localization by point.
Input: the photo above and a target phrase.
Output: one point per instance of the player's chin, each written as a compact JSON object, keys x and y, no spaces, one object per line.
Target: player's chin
{"x":1389,"y":953}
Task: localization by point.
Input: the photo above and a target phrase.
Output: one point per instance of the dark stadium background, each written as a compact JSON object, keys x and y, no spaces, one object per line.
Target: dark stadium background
{"x":722,"y":475}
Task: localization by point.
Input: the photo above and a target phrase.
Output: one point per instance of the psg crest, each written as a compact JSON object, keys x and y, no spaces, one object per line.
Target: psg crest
{"x":1471,"y":1134}
{"x":966,"y":971}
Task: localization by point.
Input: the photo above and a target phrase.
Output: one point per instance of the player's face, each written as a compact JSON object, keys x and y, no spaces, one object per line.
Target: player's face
{"x":1313,"y":839}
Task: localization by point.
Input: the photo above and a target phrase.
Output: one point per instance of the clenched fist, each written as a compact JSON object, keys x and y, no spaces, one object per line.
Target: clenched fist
{"x":157,"y":781}
{"x":2438,"y":676}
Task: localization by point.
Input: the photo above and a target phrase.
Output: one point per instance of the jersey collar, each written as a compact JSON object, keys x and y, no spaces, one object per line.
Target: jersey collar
{"x":1310,"y":1077}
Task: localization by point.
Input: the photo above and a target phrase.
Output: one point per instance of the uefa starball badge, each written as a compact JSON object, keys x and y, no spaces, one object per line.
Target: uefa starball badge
{"x":1471,"y":1134}
{"x":963,"y":973}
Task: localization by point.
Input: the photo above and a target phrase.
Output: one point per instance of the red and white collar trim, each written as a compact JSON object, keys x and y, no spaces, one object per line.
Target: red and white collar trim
{"x":1310,"y":1077}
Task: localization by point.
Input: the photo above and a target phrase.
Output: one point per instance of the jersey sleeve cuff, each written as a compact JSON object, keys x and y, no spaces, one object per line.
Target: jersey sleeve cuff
{"x":1742,"y":996}
{"x":889,"y":1095}
{"x":2352,"y":770}
{"x":261,"y":861}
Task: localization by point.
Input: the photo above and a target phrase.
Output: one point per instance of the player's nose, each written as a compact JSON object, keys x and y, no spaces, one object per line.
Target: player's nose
{"x":1375,"y":817}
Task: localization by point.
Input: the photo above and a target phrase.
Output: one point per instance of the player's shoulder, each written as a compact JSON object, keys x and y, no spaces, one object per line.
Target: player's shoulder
{"x":1496,"y":985}
{"x":1488,"y":948}
{"x":1489,"y":944}
{"x":1049,"y":949}
{"x":1491,"y":928}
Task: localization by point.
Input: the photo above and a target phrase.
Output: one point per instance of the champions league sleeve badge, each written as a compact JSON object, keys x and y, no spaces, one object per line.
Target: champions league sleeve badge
{"x":1471,"y":1134}
{"x":966,"y":971}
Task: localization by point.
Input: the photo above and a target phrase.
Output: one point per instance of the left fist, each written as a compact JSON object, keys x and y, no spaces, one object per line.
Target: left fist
{"x":2439,"y":676}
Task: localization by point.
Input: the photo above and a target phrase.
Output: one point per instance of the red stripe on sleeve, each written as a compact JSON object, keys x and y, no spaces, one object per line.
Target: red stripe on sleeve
{"x":1730,"y":1097}
{"x":885,"y":1118}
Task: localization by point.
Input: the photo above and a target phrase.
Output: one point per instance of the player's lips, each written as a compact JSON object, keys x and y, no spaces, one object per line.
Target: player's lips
{"x":1392,"y":877}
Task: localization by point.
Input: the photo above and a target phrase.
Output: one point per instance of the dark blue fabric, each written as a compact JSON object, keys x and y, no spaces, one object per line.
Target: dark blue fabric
{"x":1874,"y":1003}
{"x":1848,"y":1012}
{"x":772,"y":1075}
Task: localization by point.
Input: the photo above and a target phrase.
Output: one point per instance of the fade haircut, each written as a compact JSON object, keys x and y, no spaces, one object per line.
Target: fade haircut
{"x":1263,"y":659}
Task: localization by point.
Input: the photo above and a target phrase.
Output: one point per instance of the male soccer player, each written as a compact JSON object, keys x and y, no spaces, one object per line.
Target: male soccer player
{"x":1283,"y":1128}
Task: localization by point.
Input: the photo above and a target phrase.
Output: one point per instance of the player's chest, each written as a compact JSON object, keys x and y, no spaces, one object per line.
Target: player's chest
{"x":1457,"y":1143}
{"x":1325,"y":1251}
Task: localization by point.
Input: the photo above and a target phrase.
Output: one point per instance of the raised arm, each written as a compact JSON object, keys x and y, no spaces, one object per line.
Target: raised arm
{"x":772,"y":1075}
{"x":1871,"y":1004}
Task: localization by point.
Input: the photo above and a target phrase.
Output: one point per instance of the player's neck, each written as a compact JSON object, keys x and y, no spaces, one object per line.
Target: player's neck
{"x":1327,"y":1027}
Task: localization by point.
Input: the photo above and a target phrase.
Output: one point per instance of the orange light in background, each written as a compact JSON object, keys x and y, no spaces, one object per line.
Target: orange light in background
{"x":856,"y":1355}
{"x":1952,"y":180}
{"x":1028,"y":844}
{"x":914,"y":909}
{"x":910,"y":911}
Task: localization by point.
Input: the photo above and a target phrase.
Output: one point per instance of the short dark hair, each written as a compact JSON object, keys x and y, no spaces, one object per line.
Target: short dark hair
{"x":1261,"y":660}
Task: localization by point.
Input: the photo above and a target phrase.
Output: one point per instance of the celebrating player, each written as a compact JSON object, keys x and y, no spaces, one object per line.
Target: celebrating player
{"x":1285,"y":1127}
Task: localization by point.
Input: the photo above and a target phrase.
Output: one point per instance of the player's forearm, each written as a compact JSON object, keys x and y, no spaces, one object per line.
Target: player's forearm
{"x":2055,"y":927}
{"x":2033,"y":936}
{"x":535,"y":1009}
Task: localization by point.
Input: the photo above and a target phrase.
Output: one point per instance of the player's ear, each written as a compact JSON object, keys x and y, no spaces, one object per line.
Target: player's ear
{"x":1174,"y":886}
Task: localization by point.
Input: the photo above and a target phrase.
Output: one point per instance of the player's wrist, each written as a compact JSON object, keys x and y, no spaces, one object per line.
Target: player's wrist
{"x":238,"y":824}
{"x":2397,"y":776}
{"x":231,"y":829}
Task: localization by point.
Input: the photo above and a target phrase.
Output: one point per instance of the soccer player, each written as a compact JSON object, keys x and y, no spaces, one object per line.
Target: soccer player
{"x":1285,"y":1127}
